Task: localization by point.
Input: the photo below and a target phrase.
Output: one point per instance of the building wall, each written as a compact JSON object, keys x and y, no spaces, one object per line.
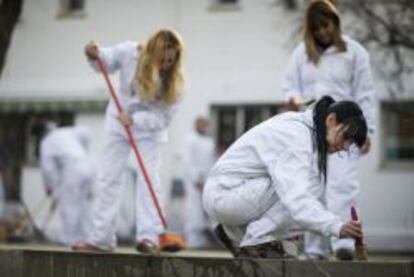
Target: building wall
{"x":232,"y":56}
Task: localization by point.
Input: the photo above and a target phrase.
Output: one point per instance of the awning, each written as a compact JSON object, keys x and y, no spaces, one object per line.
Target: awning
{"x":20,"y":105}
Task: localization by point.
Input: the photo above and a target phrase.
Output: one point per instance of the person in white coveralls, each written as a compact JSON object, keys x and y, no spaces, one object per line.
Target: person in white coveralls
{"x":199,"y":154}
{"x":68,"y":174}
{"x":265,"y":187}
{"x":329,"y":63}
{"x":150,"y":87}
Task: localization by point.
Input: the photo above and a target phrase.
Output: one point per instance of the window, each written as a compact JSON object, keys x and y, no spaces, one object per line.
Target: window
{"x":398,"y":133}
{"x":224,"y":5}
{"x":231,"y":121}
{"x":224,"y":2}
{"x":71,"y":8}
{"x":20,"y":136}
{"x":226,"y":131}
{"x":36,"y":129}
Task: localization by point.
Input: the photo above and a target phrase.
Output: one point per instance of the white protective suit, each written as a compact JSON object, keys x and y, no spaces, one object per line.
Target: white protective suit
{"x":198,"y":156}
{"x":265,"y":186}
{"x":68,"y":173}
{"x":344,"y":76}
{"x":149,"y":128}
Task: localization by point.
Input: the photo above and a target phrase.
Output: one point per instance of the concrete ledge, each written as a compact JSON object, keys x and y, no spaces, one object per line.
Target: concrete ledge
{"x":11,"y":263}
{"x":29,"y":263}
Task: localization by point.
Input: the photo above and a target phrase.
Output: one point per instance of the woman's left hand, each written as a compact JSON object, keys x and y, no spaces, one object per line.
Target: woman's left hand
{"x":125,"y":119}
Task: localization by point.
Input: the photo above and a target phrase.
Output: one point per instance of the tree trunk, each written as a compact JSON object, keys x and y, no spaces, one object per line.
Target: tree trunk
{"x":10,"y":11}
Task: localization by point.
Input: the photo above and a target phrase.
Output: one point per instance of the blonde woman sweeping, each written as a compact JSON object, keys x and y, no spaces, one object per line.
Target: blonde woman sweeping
{"x":151,"y":83}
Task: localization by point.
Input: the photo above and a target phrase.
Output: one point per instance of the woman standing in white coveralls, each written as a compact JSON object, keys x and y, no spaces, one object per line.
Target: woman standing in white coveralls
{"x":151,"y":83}
{"x":328,"y":63}
{"x":265,"y":187}
{"x":68,"y":175}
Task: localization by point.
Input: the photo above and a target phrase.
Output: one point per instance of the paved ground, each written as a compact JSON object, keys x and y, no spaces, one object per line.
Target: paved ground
{"x":377,"y":257}
{"x":40,"y":260}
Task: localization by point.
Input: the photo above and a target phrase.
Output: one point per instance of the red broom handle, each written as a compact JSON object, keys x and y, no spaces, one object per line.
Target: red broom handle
{"x":133,"y":143}
{"x":354,"y":216}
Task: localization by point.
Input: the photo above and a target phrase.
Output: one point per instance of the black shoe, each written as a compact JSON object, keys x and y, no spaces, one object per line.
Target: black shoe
{"x":269,"y":250}
{"x":221,"y":235}
{"x":146,"y":246}
{"x":344,"y":254}
{"x":315,"y":257}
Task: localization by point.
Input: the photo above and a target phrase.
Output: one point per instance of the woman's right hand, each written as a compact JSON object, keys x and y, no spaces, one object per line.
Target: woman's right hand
{"x":91,"y":50}
{"x":351,"y":229}
{"x":292,"y":104}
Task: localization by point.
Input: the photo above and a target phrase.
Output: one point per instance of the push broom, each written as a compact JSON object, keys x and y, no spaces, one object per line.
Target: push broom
{"x":360,"y":248}
{"x":170,"y":242}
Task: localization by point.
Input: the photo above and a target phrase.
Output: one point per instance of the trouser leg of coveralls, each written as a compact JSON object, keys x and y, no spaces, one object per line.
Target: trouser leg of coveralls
{"x":242,"y":206}
{"x":108,"y":191}
{"x":195,"y":220}
{"x":73,"y":207}
{"x":341,"y":192}
{"x":149,"y":225}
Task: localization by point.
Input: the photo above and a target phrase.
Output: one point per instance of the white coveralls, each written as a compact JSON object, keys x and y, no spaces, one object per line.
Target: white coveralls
{"x":68,"y":172}
{"x":265,"y":186}
{"x":344,"y":76}
{"x":149,"y":128}
{"x":198,"y":156}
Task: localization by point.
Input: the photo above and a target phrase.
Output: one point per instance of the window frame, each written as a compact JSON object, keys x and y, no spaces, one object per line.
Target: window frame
{"x":64,"y":10}
{"x":220,"y":5}
{"x":267,"y":111}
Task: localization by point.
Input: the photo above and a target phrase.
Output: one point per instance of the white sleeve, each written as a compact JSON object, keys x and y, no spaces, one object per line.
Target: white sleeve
{"x":292,"y":82}
{"x":363,"y":86}
{"x":292,"y":180}
{"x":156,"y":119}
{"x":112,"y":56}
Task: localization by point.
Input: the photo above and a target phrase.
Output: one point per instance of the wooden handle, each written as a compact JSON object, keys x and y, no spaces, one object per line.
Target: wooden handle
{"x":360,"y":248}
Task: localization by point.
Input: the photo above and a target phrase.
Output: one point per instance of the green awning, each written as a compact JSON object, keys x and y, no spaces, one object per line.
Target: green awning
{"x":52,"y":105}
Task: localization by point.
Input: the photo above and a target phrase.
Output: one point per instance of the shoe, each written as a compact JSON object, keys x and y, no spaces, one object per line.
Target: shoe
{"x":315,"y":257}
{"x":344,"y":254}
{"x":146,"y":246}
{"x":87,"y":247}
{"x":269,"y":250}
{"x":221,"y":235}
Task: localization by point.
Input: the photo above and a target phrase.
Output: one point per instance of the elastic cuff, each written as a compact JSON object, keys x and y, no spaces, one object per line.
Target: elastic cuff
{"x":336,"y":229}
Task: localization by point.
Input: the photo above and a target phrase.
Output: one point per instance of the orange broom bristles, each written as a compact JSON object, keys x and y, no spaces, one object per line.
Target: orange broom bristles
{"x":171,"y":242}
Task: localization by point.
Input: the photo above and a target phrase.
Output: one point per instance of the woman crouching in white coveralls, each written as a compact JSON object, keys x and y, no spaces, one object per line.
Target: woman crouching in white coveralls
{"x":151,"y":83}
{"x":265,"y":187}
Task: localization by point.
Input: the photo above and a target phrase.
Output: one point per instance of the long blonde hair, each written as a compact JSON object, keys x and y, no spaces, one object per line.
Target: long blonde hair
{"x":148,"y":76}
{"x":317,"y":13}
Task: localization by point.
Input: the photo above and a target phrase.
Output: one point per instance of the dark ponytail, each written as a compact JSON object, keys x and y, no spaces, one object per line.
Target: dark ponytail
{"x":320,"y":112}
{"x":349,"y":114}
